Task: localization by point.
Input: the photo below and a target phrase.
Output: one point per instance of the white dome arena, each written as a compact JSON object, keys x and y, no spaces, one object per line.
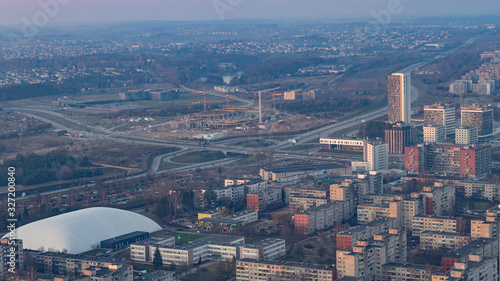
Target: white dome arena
{"x":79,"y":231}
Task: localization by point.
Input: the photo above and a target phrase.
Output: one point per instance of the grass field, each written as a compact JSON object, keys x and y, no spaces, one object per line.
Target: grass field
{"x":168,"y":166}
{"x":183,"y":238}
{"x":305,"y":147}
{"x":59,"y":120}
{"x":199,"y":157}
{"x":254,"y":143}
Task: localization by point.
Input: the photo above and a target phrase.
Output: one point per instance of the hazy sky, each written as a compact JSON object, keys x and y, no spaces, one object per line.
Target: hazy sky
{"x":13,"y":11}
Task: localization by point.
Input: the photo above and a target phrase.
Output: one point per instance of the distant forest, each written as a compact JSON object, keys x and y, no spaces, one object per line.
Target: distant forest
{"x":58,"y":165}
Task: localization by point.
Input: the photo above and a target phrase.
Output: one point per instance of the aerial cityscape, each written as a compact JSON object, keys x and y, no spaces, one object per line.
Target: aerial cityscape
{"x":250,"y":140}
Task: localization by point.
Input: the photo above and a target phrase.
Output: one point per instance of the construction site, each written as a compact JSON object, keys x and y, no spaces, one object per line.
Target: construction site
{"x":251,"y":117}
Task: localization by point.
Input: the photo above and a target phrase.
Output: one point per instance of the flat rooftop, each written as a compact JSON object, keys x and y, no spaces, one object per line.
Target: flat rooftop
{"x":289,"y":263}
{"x":305,"y":168}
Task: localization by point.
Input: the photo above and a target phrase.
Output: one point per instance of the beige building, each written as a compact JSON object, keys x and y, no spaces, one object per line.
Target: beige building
{"x":399,"y":97}
{"x":268,"y":249}
{"x":305,"y":203}
{"x":251,"y":269}
{"x":485,"y":228}
{"x":294,"y":173}
{"x":439,"y":200}
{"x":366,"y":258}
{"x":475,"y":268}
{"x":406,"y":272}
{"x":368,"y":212}
{"x":434,"y":223}
{"x":433,"y":240}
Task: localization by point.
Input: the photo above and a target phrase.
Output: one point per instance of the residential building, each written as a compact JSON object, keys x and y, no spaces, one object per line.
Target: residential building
{"x":251,"y":269}
{"x":434,"y":223}
{"x":347,"y":239}
{"x":143,"y":250}
{"x":294,"y":173}
{"x":474,"y":268}
{"x":483,"y":246}
{"x":68,"y":265}
{"x":459,"y":87}
{"x":11,"y":249}
{"x":439,"y":200}
{"x":436,"y":115}
{"x":268,"y":249}
{"x":210,"y":247}
{"x":479,"y":116}
{"x":399,"y":97}
{"x":297,"y":203}
{"x":402,"y":271}
{"x":366,"y":258}
{"x":479,"y":190}
{"x":321,"y":217}
{"x":466,"y":135}
{"x":370,"y":212}
{"x":305,"y":190}
{"x":229,"y":193}
{"x":433,"y":134}
{"x":266,"y":199}
{"x":433,"y":240}
{"x":376,"y":154}
{"x":449,"y":160}
{"x":400,"y":136}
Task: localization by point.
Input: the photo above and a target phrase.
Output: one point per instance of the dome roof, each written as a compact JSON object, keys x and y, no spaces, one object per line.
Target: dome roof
{"x":80,"y":231}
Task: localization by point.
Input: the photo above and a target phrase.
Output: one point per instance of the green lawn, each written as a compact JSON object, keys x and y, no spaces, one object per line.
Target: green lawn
{"x":169,"y":166}
{"x":301,"y":147}
{"x":183,"y":238}
{"x":200,"y":157}
{"x":254,"y":143}
{"x":59,"y":120}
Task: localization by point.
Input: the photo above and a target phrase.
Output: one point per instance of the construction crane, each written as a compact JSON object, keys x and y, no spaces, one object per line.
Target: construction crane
{"x":204,"y":98}
{"x":227,"y":99}
{"x":260,"y":101}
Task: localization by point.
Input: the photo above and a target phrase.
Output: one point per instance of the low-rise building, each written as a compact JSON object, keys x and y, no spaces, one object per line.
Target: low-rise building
{"x":268,"y":249}
{"x":294,"y":173}
{"x":251,"y":269}
{"x":433,"y":240}
{"x":403,"y":271}
{"x":435,"y":223}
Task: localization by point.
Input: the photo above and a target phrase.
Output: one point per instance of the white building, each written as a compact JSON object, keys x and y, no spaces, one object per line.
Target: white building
{"x":434,"y":134}
{"x":376,"y":154}
{"x":268,"y":249}
{"x":466,"y":135}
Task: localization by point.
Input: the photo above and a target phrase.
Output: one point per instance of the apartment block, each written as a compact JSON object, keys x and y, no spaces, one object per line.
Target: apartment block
{"x":376,"y":154}
{"x":484,"y":247}
{"x":437,"y":115}
{"x":266,"y":199}
{"x":439,"y":199}
{"x":449,"y":160}
{"x":474,"y":268}
{"x":347,"y":239}
{"x":210,"y":247}
{"x":403,"y":271}
{"x":251,"y":269}
{"x":369,"y":212}
{"x":466,"y":135}
{"x":432,"y":240}
{"x":294,"y":173}
{"x":268,"y":249}
{"x":433,"y":134}
{"x":478,"y":116}
{"x":400,"y":136}
{"x":366,"y":258}
{"x":433,"y":223}
{"x":307,"y":202}
{"x":459,"y":87}
{"x":399,"y":97}
{"x":68,"y":265}
{"x":304,"y":190}
{"x":6,"y":251}
{"x":487,"y":227}
{"x":321,"y":217}
{"x":479,"y":190}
